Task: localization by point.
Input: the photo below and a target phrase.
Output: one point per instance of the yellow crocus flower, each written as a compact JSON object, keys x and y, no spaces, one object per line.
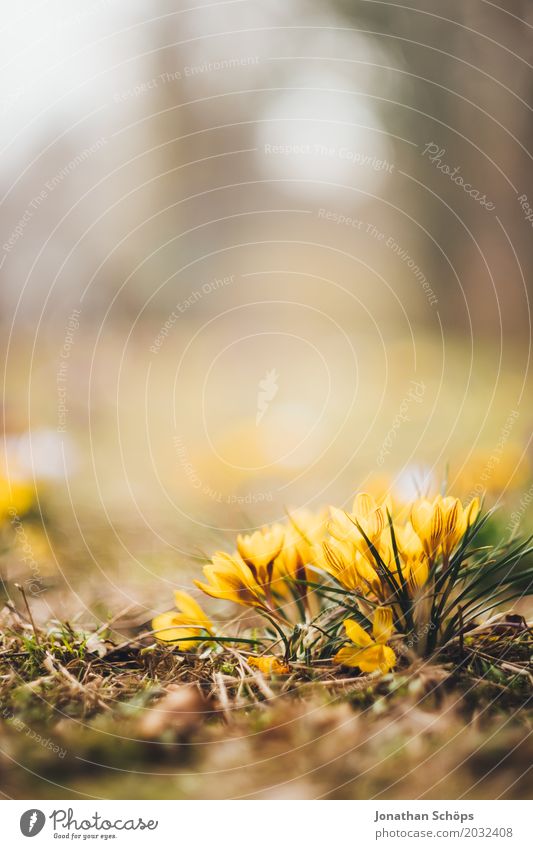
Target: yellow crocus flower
{"x":268,"y":665}
{"x":231,"y":579}
{"x":369,"y":653}
{"x":260,"y":549}
{"x":189,"y":620}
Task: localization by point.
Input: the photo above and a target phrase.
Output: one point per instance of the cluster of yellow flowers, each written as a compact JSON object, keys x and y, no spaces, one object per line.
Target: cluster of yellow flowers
{"x":367,"y":535}
{"x":258,"y":573}
{"x":386,"y":565}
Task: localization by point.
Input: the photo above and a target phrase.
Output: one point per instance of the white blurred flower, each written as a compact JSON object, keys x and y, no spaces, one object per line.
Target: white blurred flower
{"x":42,"y":454}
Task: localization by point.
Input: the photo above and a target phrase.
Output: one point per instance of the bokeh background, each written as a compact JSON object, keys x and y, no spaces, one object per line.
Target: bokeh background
{"x":255,"y":256}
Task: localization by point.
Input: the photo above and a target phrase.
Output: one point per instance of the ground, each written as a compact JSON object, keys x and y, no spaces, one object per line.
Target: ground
{"x":93,"y":718}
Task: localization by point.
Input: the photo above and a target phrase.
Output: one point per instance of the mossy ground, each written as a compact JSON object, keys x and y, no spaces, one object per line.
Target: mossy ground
{"x":100,"y":715}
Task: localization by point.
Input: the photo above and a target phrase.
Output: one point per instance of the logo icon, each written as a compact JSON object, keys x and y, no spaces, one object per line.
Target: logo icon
{"x":32,"y":822}
{"x":267,"y":391}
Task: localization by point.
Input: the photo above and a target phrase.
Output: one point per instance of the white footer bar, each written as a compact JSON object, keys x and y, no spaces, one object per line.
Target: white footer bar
{"x":268,"y":824}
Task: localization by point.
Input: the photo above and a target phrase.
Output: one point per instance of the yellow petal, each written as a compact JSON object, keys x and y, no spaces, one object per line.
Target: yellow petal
{"x":341,"y":526}
{"x":349,"y":656}
{"x":215,"y":591}
{"x":382,"y":626}
{"x":367,"y":575}
{"x":408,"y":541}
{"x":452,"y":512}
{"x":303,"y":534}
{"x":375,"y":657}
{"x":457,"y":520}
{"x":369,"y":515}
{"x":363,"y":505}
{"x":417,"y":572}
{"x":421,"y":514}
{"x":388,"y":659}
{"x":190,"y":608}
{"x":357,"y":634}
{"x":170,"y":628}
{"x":339,"y":561}
{"x":472,"y":511}
{"x":288,"y":560}
{"x":427,"y":520}
{"x":437,"y":525}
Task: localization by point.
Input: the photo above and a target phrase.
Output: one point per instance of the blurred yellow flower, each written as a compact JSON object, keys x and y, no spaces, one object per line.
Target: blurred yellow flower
{"x":268,"y":665}
{"x":188,"y":621}
{"x":370,"y":653}
{"x":16,"y":498}
{"x":506,"y":470}
{"x":231,"y":579}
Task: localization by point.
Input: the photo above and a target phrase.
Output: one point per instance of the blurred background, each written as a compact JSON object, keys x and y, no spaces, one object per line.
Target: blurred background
{"x":255,"y":256}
